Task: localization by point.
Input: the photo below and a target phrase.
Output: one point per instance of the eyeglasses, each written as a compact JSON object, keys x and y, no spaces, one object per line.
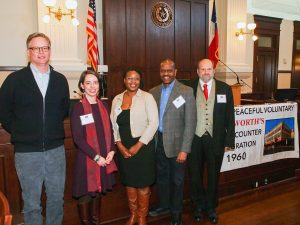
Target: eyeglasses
{"x":40,"y":49}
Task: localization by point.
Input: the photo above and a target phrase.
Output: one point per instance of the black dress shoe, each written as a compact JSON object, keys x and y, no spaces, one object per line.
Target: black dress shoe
{"x":213,"y":218}
{"x":198,"y":215}
{"x":158,"y":211}
{"x":176,"y":219}
{"x":176,"y":222}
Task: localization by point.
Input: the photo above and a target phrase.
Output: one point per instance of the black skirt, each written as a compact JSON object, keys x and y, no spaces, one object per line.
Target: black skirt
{"x":138,"y":170}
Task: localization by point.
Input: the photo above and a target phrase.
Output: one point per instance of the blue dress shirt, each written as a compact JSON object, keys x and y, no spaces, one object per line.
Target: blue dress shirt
{"x":165,"y":94}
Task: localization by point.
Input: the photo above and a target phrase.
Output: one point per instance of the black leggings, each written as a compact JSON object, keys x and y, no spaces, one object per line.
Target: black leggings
{"x":88,"y":198}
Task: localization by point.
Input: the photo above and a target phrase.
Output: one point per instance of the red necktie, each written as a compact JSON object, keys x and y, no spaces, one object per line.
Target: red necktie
{"x":205,"y":91}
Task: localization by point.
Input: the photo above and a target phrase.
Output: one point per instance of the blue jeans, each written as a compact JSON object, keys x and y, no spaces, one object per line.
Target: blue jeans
{"x":35,"y":169}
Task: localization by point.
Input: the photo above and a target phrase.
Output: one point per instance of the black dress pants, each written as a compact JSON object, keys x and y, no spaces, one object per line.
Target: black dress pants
{"x":204,"y":197}
{"x":170,"y":179}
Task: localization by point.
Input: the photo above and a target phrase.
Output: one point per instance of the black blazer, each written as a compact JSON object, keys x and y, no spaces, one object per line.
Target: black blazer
{"x":223,"y":116}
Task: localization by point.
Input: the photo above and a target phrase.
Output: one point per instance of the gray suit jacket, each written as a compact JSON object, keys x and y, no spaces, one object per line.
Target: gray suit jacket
{"x":179,"y":124}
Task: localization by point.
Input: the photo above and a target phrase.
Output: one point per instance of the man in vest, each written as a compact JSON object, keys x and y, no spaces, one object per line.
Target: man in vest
{"x":214,"y":134}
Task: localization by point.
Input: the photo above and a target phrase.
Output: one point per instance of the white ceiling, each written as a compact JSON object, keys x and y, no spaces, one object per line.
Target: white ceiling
{"x":286,"y":9}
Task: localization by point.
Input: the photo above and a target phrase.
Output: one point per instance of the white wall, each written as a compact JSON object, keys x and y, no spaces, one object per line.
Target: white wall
{"x":286,"y":45}
{"x":18,"y":22}
{"x":237,"y":55}
{"x":285,"y":53}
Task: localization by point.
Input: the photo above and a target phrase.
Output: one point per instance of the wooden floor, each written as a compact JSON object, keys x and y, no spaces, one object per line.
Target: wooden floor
{"x":269,"y":205}
{"x":274,"y":204}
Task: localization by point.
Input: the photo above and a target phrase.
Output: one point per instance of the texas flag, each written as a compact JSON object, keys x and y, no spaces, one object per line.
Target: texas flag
{"x":213,"y":53}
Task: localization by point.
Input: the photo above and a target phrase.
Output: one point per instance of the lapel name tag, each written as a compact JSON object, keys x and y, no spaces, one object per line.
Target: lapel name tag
{"x":118,"y":111}
{"x":87,"y":119}
{"x":221,"y":98}
{"x":179,"y":101}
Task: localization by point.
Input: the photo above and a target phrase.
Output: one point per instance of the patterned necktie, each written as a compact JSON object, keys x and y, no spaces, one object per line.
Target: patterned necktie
{"x":205,"y":91}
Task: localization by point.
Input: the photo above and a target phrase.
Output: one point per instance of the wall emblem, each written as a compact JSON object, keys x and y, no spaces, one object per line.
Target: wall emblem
{"x":162,"y":15}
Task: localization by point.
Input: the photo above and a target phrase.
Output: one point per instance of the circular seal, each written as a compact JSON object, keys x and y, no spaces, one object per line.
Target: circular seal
{"x":162,"y":15}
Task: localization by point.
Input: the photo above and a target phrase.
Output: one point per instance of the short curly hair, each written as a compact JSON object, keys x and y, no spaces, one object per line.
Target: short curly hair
{"x":138,"y":72}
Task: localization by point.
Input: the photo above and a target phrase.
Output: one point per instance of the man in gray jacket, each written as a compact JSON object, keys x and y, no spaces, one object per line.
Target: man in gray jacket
{"x":177,"y":124}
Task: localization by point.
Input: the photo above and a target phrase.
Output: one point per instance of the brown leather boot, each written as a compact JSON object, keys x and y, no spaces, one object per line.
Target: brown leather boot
{"x":133,"y":205}
{"x":95,"y":208}
{"x":84,"y":213}
{"x":143,"y":204}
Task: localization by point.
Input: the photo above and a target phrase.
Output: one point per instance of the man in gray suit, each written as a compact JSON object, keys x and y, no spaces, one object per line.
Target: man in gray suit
{"x":177,"y":124}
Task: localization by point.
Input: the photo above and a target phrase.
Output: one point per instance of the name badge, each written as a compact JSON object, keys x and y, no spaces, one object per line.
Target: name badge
{"x":179,"y":101}
{"x":221,"y":98}
{"x":87,"y":119}
{"x":118,"y":111}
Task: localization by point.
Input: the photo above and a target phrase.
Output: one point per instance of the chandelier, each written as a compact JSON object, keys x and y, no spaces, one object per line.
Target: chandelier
{"x":242,"y":30}
{"x":58,"y":13}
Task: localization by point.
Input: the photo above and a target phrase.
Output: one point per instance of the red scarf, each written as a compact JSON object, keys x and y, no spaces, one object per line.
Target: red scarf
{"x":93,"y":169}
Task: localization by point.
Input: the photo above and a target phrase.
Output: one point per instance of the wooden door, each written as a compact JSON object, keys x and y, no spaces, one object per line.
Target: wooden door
{"x":131,"y":38}
{"x":264,"y":76}
{"x":265,"y":62}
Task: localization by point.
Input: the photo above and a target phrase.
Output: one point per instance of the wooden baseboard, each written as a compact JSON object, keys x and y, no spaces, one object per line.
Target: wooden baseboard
{"x":262,"y":188}
{"x":297,"y":173}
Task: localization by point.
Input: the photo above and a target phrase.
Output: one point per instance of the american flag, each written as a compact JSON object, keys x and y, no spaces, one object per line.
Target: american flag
{"x":213,"y":48}
{"x":91,"y":29}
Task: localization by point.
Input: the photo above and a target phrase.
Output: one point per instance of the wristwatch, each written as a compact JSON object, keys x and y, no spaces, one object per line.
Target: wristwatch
{"x":97,"y":158}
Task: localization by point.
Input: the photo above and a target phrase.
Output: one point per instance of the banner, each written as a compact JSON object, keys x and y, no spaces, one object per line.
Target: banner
{"x":263,"y":133}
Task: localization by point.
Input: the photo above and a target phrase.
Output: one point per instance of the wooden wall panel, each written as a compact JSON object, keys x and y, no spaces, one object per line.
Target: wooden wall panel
{"x":200,"y":33}
{"x":185,"y":74}
{"x":115,"y":80}
{"x":9,"y":185}
{"x":115,"y":35}
{"x":2,"y":175}
{"x":160,"y":41}
{"x":134,"y":40}
{"x":153,"y":78}
{"x":183,"y":35}
{"x":135,"y":34}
